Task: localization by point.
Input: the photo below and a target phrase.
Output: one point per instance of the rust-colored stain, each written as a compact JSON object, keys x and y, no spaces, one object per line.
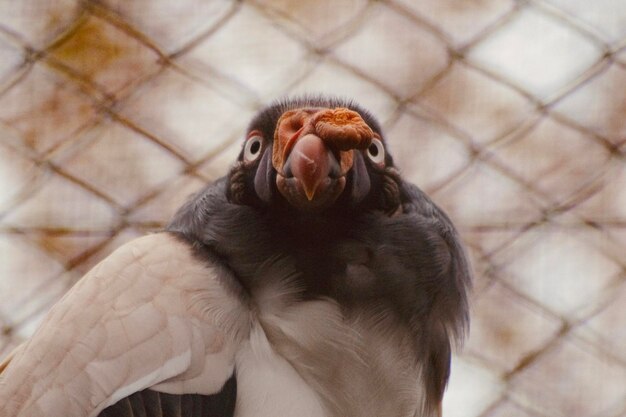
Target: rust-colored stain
{"x":103,"y":54}
{"x":504,"y":335}
{"x":54,"y":242}
{"x":45,"y":112}
{"x":91,"y":47}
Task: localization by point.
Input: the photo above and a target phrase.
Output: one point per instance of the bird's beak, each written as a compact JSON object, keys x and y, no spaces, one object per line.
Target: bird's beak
{"x":311,"y":163}
{"x":313,"y":151}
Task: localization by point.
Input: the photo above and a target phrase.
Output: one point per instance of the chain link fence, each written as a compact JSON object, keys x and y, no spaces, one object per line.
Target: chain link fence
{"x":510,"y":114}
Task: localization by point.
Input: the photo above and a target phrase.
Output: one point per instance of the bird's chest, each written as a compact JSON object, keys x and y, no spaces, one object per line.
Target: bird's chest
{"x":314,"y":358}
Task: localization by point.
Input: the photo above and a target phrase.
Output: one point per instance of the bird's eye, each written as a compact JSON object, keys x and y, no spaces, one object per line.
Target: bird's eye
{"x":252,"y":149}
{"x":376,"y":151}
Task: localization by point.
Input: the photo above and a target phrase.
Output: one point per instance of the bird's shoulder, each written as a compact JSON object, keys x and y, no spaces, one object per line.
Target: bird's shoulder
{"x":151,"y":314}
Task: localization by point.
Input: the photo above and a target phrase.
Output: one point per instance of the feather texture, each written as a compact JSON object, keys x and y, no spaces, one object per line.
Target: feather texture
{"x":362,"y":309}
{"x":150,"y":403}
{"x":348,"y":312}
{"x":149,"y":315}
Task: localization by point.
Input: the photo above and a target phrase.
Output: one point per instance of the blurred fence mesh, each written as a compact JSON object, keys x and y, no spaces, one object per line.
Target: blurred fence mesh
{"x":510,"y":114}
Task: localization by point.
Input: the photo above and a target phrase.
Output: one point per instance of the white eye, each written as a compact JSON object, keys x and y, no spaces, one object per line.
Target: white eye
{"x":376,"y":152}
{"x":252,"y":148}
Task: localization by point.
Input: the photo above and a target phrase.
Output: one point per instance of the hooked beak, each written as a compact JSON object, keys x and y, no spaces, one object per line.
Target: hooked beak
{"x":310,"y":179}
{"x":313,"y":151}
{"x":311,"y":162}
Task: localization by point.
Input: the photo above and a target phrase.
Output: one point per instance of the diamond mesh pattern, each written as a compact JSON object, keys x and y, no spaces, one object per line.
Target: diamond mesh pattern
{"x":510,"y":114}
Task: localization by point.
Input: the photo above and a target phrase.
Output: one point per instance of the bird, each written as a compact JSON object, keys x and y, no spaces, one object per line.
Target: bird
{"x":310,"y":280}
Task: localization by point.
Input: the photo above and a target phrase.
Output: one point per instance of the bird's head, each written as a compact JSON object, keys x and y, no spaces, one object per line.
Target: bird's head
{"x":313,"y":154}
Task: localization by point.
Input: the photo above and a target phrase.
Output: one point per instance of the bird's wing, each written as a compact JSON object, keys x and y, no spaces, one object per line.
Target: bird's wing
{"x":448,"y":262}
{"x":150,"y":403}
{"x":448,"y":291}
{"x":150,"y":315}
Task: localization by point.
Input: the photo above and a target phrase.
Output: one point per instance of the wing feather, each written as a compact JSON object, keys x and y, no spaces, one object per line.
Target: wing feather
{"x":151,"y":315}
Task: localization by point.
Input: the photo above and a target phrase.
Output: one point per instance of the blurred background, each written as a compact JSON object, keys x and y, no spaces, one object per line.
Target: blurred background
{"x":510,"y":114}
